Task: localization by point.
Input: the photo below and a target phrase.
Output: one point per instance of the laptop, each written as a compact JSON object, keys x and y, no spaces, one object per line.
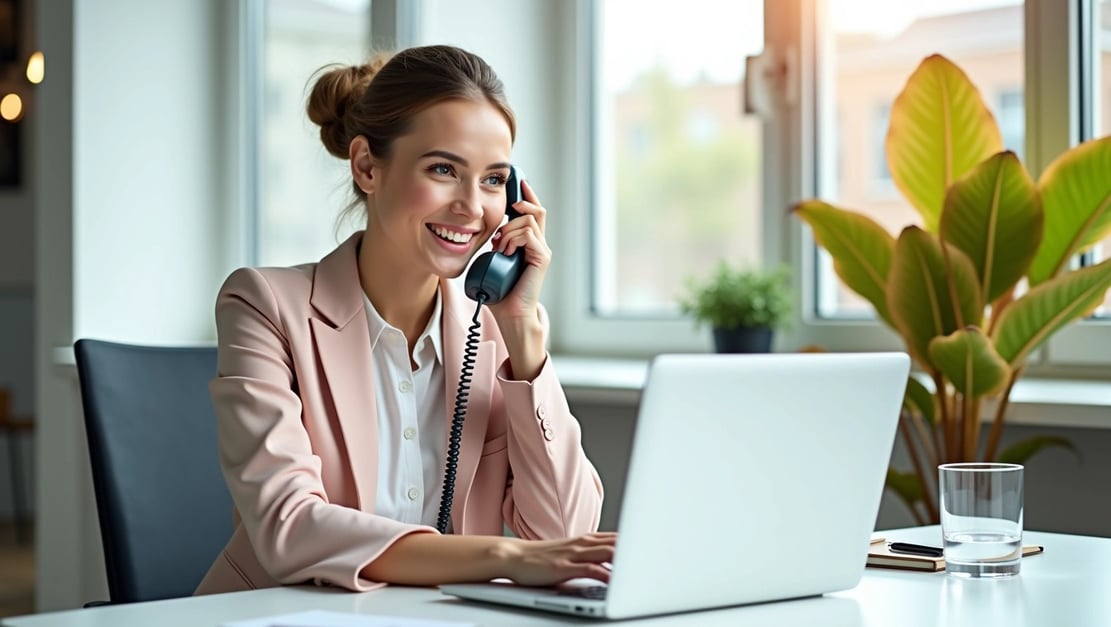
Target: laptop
{"x":752,"y":478}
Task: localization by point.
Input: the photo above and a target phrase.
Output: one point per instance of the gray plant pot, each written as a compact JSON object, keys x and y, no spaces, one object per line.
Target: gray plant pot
{"x":743,"y":340}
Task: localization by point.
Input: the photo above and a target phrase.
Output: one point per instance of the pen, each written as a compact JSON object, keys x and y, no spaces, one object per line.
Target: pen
{"x":915,"y":549}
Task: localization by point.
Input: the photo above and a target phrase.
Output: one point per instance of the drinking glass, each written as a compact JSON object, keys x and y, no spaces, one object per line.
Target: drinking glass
{"x":981,"y":518}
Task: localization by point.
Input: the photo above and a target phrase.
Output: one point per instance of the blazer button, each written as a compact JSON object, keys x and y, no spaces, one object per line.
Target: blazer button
{"x":541,"y":412}
{"x":549,"y":434}
{"x":546,"y":424}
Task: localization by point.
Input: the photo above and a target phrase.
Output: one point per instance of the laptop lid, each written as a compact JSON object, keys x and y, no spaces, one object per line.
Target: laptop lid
{"x":752,"y":478}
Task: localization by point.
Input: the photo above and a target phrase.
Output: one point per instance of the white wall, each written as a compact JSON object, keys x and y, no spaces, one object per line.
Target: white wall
{"x":147,"y":184}
{"x":131,"y":176}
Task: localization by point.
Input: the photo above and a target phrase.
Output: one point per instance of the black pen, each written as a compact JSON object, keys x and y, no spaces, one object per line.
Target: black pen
{"x":915,"y":549}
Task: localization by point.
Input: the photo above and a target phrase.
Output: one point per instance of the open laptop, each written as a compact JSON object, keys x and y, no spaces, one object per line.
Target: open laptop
{"x":752,"y":478}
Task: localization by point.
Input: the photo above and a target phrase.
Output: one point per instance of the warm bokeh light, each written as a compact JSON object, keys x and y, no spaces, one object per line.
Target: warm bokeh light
{"x":11,"y":107}
{"x":36,"y":68}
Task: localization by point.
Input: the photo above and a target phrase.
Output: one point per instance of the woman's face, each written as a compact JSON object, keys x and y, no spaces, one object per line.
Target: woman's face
{"x":441,"y":194}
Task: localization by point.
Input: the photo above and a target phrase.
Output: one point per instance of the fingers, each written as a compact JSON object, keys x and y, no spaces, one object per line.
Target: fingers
{"x":523,"y":233}
{"x":593,"y":571}
{"x":595,"y":554}
{"x":545,"y":562}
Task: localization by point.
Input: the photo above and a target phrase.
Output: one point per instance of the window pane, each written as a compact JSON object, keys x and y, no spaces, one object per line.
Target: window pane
{"x":874,"y":46}
{"x":1100,"y":107}
{"x":301,"y":187}
{"x":677,"y":166}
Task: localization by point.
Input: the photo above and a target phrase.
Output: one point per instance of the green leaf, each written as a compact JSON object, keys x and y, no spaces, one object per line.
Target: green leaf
{"x":927,"y":296}
{"x":994,"y":216}
{"x":1076,"y":196}
{"x":861,"y":249}
{"x":968,"y":359}
{"x":1019,"y":452}
{"x":918,"y":398}
{"x":905,"y":485}
{"x":1039,"y":313}
{"x":940,"y":129}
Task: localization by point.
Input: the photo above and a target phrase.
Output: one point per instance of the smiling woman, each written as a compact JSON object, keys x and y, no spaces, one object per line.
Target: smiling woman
{"x":334,"y":378}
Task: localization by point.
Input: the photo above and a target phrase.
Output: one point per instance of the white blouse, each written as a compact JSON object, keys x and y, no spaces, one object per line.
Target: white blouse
{"x":412,"y":419}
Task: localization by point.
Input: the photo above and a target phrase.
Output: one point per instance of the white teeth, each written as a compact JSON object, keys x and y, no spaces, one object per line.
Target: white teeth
{"x":452,"y":236}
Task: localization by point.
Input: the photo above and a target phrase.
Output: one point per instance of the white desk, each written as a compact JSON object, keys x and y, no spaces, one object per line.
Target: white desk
{"x":1068,"y":585}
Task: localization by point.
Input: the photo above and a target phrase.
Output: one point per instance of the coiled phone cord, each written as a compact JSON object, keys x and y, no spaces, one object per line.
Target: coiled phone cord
{"x":470,"y":353}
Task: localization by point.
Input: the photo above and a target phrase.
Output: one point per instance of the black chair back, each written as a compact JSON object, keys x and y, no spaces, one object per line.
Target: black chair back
{"x":163,"y":506}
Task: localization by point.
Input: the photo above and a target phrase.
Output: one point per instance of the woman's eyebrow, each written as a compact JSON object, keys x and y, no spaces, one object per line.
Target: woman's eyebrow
{"x":451,"y":156}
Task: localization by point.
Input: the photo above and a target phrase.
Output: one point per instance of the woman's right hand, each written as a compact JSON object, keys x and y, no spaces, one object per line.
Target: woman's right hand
{"x":548,"y":562}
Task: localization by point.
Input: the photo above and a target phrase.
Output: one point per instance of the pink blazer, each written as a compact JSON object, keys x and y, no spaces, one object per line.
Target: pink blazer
{"x":298,"y":433}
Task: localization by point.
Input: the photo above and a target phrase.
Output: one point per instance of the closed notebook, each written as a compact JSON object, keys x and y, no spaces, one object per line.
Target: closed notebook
{"x":880,"y":556}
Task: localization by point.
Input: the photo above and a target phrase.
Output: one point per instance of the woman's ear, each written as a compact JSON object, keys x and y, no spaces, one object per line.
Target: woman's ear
{"x":362,"y":164}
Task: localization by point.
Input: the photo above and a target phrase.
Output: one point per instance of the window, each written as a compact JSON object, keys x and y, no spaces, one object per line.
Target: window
{"x":683,"y":160}
{"x":1010,"y":113}
{"x":667,"y":176}
{"x":871,"y":48}
{"x":1099,"y":106}
{"x":301,"y":188}
{"x":878,"y":152}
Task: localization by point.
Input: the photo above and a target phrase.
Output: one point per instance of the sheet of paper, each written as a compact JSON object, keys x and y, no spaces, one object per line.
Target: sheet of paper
{"x":322,"y":618}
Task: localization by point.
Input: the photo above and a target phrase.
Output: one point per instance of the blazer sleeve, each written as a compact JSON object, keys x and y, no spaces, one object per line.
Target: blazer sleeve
{"x":267,"y":459}
{"x":554,"y":491}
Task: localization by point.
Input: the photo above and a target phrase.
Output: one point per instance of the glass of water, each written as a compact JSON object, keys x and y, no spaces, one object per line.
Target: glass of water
{"x":981,"y":518}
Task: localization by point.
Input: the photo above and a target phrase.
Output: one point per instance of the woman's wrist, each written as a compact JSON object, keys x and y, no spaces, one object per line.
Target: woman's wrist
{"x":525,"y":342}
{"x":500,"y":557}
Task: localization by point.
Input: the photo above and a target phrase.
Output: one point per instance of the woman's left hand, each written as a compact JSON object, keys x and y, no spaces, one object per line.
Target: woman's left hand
{"x":527,"y":232}
{"x":518,"y":314}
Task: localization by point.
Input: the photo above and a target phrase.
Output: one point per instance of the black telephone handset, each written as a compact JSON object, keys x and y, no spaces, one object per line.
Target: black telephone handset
{"x":491,"y":277}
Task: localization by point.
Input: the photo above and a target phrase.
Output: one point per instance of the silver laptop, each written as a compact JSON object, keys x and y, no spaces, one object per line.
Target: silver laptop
{"x":752,"y":478}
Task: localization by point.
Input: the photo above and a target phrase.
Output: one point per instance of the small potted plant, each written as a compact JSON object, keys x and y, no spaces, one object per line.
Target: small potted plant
{"x":744,"y":307}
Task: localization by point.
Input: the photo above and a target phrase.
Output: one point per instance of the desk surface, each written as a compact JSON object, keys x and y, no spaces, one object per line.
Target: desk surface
{"x":1070,"y":584}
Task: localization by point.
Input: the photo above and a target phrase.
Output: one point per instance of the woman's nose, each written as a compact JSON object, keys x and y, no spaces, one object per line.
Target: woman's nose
{"x":469,"y":200}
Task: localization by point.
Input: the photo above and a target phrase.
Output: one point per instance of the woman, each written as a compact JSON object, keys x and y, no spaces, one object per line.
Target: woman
{"x":336,"y":380}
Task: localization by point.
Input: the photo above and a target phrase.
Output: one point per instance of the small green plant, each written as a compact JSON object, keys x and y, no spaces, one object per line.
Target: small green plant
{"x":735,"y":298}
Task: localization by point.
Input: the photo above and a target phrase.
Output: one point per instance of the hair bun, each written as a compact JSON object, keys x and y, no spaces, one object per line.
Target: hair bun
{"x":334,"y":94}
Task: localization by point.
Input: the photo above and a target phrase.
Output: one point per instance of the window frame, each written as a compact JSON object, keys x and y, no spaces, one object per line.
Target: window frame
{"x":1078,"y":345}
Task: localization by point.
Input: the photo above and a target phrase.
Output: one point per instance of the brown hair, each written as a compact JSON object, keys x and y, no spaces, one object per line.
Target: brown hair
{"x":379,"y":98}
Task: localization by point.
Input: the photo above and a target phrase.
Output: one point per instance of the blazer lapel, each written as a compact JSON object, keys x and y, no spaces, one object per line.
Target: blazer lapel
{"x":343,"y":346}
{"x":457,"y":313}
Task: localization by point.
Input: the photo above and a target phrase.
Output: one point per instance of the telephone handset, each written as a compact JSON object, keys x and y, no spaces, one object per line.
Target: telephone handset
{"x":491,"y":277}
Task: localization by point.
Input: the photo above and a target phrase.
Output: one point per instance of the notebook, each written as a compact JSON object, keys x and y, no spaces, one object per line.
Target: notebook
{"x":743,"y":468}
{"x":880,"y":555}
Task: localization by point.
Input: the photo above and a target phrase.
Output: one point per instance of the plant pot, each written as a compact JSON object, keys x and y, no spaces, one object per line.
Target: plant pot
{"x":743,"y":340}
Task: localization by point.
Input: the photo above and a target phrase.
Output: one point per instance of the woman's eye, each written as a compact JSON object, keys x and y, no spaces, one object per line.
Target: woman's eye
{"x":494,"y":179}
{"x":443,"y":169}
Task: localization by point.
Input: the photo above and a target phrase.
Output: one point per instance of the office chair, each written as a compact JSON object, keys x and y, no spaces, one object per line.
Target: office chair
{"x":163,"y":506}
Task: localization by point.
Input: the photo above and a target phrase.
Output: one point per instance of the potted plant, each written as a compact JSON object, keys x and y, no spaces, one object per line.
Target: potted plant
{"x":984,"y":280}
{"x":743,"y":306}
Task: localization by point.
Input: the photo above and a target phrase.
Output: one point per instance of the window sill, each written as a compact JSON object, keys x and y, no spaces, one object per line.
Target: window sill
{"x":1034,"y":402}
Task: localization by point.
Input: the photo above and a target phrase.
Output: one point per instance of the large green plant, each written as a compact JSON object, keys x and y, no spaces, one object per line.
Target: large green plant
{"x":984,"y":281}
